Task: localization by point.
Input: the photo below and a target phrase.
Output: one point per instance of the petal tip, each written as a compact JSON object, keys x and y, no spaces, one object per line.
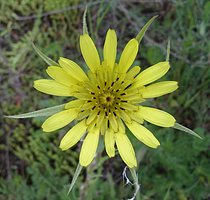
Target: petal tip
{"x":62,"y":147}
{"x":111,"y":155}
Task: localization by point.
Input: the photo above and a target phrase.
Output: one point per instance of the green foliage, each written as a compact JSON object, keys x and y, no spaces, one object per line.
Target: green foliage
{"x":37,"y":168}
{"x":176,"y":165}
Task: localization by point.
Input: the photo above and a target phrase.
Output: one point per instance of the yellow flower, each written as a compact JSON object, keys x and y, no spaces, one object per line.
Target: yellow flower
{"x":107,"y":99}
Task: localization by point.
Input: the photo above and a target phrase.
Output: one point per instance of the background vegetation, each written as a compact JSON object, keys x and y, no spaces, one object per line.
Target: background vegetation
{"x":32,"y":167}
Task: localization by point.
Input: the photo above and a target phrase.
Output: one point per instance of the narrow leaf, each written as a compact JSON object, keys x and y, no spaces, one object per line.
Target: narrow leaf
{"x":167,"y":195}
{"x":48,"y":60}
{"x":40,"y":113}
{"x":76,"y":174}
{"x":185,"y":129}
{"x":84,"y":27}
{"x":168,"y":50}
{"x":144,"y":29}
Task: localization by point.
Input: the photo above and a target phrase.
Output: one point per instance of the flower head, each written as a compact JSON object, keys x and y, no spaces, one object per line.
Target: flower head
{"x":107,"y":99}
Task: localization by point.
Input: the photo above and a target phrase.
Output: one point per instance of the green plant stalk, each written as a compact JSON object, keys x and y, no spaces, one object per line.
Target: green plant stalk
{"x":136,"y":182}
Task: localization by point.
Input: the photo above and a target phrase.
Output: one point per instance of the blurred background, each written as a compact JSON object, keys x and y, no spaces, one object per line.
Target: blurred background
{"x":32,"y":167}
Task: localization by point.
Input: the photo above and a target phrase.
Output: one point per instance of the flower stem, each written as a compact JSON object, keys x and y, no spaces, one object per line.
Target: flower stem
{"x":136,"y":182}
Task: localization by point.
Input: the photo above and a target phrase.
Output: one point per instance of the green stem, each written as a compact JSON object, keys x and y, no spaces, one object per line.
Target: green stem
{"x":136,"y":182}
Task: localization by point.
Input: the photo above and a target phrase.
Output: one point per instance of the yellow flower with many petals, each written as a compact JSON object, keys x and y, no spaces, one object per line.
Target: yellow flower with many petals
{"x":107,"y":99}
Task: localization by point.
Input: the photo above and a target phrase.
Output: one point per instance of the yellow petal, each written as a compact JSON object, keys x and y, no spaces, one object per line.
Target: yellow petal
{"x":89,"y":147}
{"x":159,"y":89}
{"x":73,"y":69}
{"x":121,"y":125}
{"x":89,"y":52}
{"x":152,"y":74}
{"x":93,"y":114}
{"x":113,"y":122}
{"x":100,"y":118}
{"x":104,"y":126}
{"x":125,"y":149}
{"x":134,"y":115}
{"x":110,"y":48}
{"x":128,"y":106}
{"x":52,"y":87}
{"x":109,"y":142}
{"x":132,"y":72}
{"x":143,"y":134}
{"x":59,"y":75}
{"x":157,"y":117}
{"x":73,"y":135}
{"x":123,"y":115}
{"x":74,"y":104}
{"x":83,"y":114}
{"x":59,"y":120}
{"x":128,"y":55}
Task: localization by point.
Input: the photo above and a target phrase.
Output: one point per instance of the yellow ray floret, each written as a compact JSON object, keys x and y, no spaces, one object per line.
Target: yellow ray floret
{"x":73,"y":135}
{"x":89,"y":52}
{"x":156,"y":116}
{"x":110,"y":49}
{"x":152,"y":74}
{"x":72,"y":69}
{"x":143,"y":134}
{"x":52,"y":87}
{"x":128,"y":55}
{"x":89,"y":147}
{"x":59,"y":120}
{"x":59,"y":75}
{"x":109,"y":142}
{"x":125,"y":149}
{"x":159,"y":89}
